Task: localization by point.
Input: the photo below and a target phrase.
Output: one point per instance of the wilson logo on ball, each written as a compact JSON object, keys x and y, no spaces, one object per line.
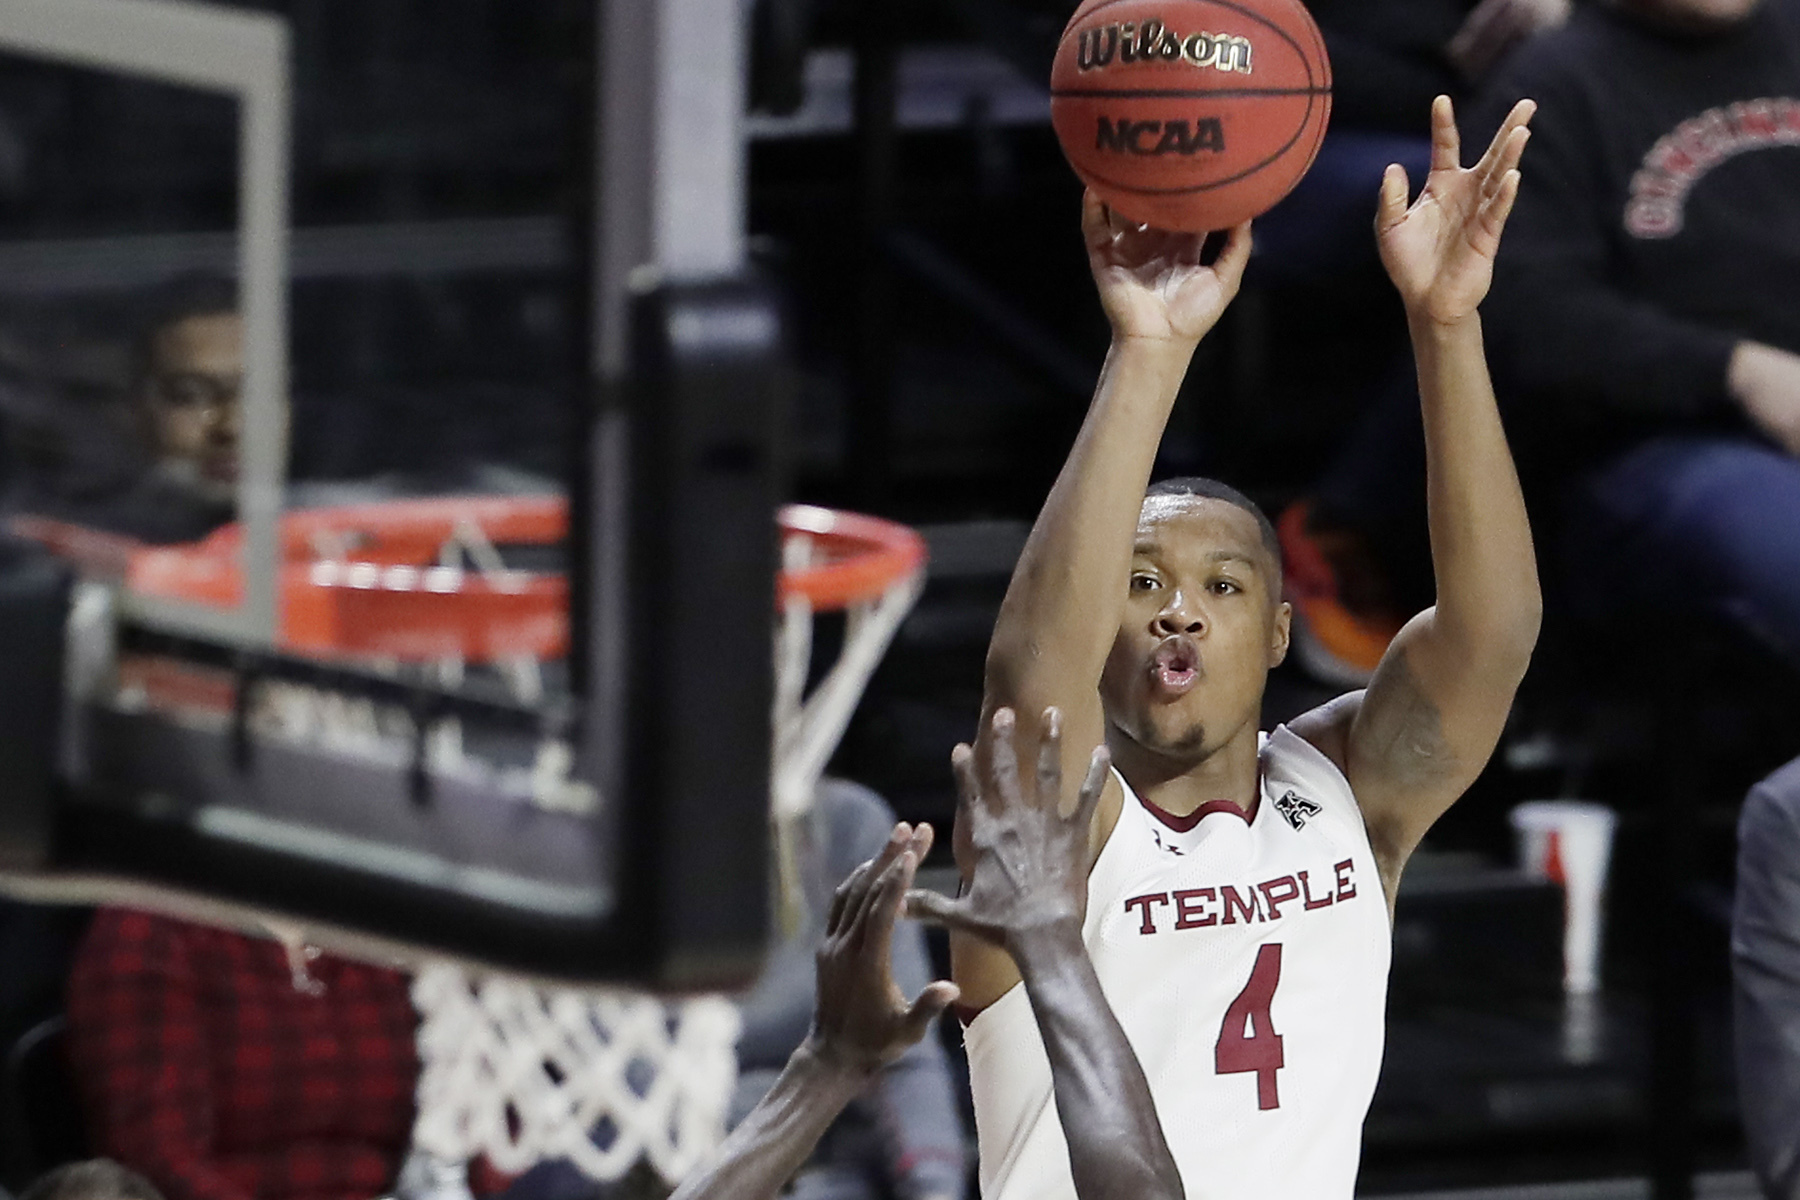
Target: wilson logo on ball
{"x":1153,"y":138}
{"x":1169,"y":126}
{"x":1131,"y":41}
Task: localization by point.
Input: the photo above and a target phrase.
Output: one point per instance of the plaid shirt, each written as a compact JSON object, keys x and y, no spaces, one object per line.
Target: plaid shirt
{"x":204,"y":1066}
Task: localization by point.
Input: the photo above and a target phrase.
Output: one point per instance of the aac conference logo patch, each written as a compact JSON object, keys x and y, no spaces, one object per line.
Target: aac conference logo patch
{"x":1297,"y":809}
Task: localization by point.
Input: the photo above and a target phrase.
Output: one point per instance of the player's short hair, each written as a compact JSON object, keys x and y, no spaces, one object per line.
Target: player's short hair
{"x":95,"y":1179}
{"x":1213,"y":489}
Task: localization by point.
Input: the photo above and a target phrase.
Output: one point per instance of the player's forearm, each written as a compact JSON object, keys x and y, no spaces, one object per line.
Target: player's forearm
{"x":1067,"y":593}
{"x":763,"y":1153}
{"x":1116,"y":1143}
{"x":1488,"y":603}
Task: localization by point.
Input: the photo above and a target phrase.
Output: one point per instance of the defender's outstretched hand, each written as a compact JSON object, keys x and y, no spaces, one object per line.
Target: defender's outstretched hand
{"x":1440,"y":252}
{"x":1031,"y":861}
{"x":1152,"y":283}
{"x":1028,"y":895}
{"x":862,"y":1020}
{"x":860,"y":1023}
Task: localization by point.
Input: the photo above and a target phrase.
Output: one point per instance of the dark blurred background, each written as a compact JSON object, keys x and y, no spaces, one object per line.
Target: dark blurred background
{"x":909,"y":197}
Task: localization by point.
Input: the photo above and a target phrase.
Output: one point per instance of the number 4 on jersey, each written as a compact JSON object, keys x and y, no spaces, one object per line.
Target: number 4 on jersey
{"x":1247,"y":1040}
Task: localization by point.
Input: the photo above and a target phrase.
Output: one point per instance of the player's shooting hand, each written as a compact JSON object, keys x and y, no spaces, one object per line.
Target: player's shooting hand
{"x":1765,"y":381}
{"x":1440,"y":252}
{"x":1030,"y":860}
{"x":862,"y":1021}
{"x":1152,"y":283}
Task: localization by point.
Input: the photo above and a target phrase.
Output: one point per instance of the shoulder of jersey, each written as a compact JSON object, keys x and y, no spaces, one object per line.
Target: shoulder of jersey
{"x":1306,"y":789}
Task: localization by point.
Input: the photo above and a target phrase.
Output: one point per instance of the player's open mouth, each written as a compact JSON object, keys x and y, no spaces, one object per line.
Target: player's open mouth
{"x":1174,"y":668}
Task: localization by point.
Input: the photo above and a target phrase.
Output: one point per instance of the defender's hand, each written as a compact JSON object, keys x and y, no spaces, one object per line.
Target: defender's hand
{"x":1440,"y":252}
{"x":862,"y":1021}
{"x":1030,"y":861}
{"x":1151,"y":282}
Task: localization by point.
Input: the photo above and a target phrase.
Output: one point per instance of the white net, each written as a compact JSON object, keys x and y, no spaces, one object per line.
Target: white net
{"x":600,"y":1079}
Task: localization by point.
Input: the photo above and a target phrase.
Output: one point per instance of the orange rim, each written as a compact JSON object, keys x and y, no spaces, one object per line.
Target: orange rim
{"x":863,"y":556}
{"x":382,"y":596}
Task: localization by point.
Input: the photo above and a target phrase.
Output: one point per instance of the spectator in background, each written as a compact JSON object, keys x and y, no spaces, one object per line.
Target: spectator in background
{"x":1389,"y":60}
{"x":1765,"y":969}
{"x":95,"y":1179}
{"x":187,"y":392}
{"x":1645,"y":315}
{"x":1355,"y":550}
{"x":224,"y":1067}
{"x":162,"y":466}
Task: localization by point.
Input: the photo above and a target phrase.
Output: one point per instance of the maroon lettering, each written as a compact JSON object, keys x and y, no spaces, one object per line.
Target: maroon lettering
{"x":1757,"y":120}
{"x":1189,"y":907}
{"x":1676,"y":163}
{"x":1679,"y":160}
{"x":1235,"y":904}
{"x":1345,"y":869}
{"x":1247,"y":1040}
{"x":1292,"y":892}
{"x":1310,"y":902}
{"x":1148,"y":926}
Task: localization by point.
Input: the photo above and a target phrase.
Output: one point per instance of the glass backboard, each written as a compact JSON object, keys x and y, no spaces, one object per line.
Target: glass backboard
{"x":297,"y":361}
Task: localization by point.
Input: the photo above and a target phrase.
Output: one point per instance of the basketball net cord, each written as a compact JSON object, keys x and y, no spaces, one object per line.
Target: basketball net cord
{"x":604,"y":1078}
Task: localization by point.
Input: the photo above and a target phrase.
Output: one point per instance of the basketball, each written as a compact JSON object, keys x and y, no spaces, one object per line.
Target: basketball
{"x":1191,"y":115}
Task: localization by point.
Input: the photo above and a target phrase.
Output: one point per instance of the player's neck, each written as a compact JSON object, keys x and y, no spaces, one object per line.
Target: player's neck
{"x":1231,"y":772}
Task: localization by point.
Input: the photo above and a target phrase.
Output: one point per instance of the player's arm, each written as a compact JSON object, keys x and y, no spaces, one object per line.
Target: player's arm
{"x":1431,"y":716}
{"x":1027,"y":895}
{"x":860,"y":1023}
{"x":1067,"y":595}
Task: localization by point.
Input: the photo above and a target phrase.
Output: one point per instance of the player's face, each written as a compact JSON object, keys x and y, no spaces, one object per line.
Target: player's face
{"x":1203,"y":625}
{"x":192,"y":394}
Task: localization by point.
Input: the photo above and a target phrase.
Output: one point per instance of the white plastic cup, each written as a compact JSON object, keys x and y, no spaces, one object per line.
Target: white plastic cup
{"x":1570,"y":842}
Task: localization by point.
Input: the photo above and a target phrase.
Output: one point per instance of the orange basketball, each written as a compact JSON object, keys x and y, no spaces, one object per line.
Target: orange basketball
{"x":1191,"y":115}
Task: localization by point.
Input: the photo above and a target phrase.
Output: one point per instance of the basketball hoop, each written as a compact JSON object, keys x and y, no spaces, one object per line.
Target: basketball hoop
{"x":509,"y":1069}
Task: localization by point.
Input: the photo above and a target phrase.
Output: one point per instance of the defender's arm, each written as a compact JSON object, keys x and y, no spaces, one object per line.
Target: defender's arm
{"x":860,"y":1023}
{"x":1430,"y":718}
{"x":1028,"y":895}
{"x":1067,"y":596}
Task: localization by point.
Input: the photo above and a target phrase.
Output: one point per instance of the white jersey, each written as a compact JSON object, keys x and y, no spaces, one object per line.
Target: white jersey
{"x":1247,"y":962}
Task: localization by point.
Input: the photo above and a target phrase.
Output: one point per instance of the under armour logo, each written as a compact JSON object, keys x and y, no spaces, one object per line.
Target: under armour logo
{"x":1297,"y":809}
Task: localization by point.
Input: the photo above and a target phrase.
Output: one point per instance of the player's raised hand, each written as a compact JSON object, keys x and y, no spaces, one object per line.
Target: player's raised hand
{"x":1030,"y":860}
{"x":1440,"y":252}
{"x":862,"y":1020}
{"x":1152,"y":283}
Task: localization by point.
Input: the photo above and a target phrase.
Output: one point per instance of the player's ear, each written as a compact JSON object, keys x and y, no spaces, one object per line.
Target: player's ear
{"x":1280,"y":629}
